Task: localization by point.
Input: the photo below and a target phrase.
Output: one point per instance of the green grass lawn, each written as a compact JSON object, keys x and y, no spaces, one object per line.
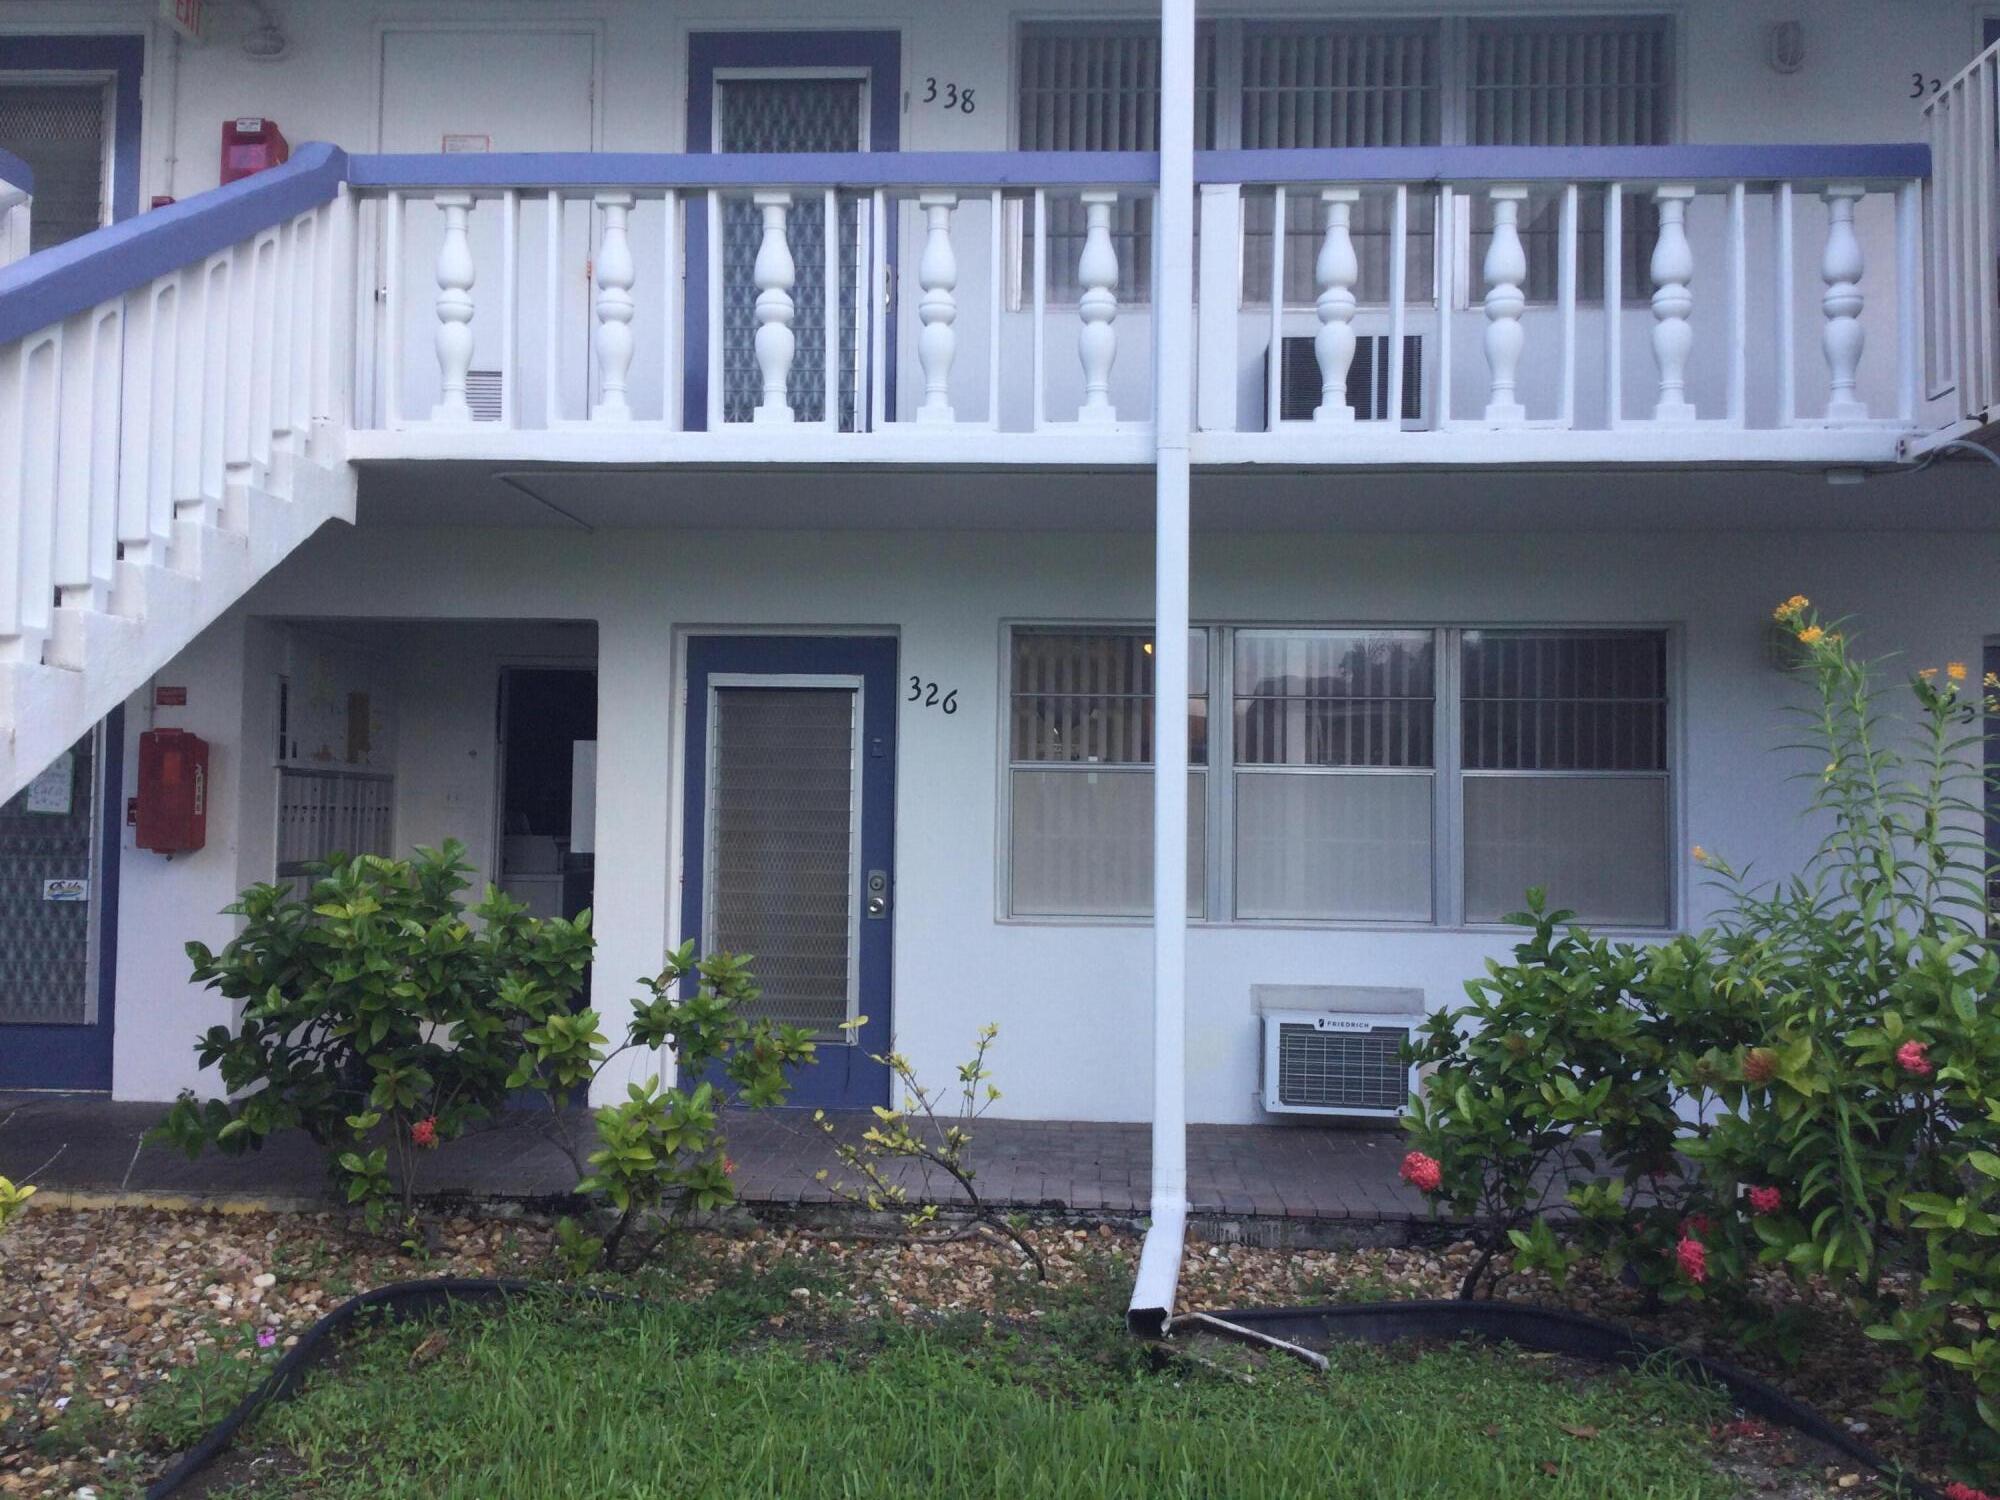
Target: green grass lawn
{"x":555,"y":1397}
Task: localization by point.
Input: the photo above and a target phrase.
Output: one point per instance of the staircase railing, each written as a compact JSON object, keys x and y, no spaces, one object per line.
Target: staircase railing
{"x":1962,"y":236}
{"x":172,"y":400}
{"x":17,"y":192}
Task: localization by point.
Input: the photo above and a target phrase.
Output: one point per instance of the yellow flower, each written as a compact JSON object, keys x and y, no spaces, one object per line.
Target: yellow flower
{"x":1955,"y":670}
{"x":1700,"y":854}
{"x":1791,"y":606}
{"x":1812,"y":635}
{"x":1927,"y":673}
{"x":1993,"y":679}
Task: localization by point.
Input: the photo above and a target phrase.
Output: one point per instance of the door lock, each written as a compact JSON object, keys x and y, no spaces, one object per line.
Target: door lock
{"x":878,"y":894}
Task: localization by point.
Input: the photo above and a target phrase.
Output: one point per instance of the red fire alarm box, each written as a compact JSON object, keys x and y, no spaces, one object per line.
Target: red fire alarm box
{"x":250,"y":145}
{"x":173,"y":791}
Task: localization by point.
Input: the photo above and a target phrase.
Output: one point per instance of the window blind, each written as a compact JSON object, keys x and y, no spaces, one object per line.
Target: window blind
{"x":1088,"y":86}
{"x":1315,"y":86}
{"x":1584,"y":81}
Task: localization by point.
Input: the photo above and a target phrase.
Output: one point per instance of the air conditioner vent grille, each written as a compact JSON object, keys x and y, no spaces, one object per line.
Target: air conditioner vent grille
{"x":1367,"y":378}
{"x":1320,"y":1069}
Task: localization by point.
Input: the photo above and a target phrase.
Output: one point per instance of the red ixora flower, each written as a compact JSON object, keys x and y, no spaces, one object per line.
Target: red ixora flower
{"x":1914,"y":1057}
{"x":1958,"y":1489}
{"x":1765,"y":1200}
{"x":425,"y":1132}
{"x":1760,"y":1065}
{"x":1422,"y":1172}
{"x":1693,"y":1258}
{"x":728,"y":1167}
{"x":1694,"y":1226}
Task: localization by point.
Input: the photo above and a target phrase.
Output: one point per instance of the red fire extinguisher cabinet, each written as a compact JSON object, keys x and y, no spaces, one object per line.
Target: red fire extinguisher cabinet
{"x":173,"y":791}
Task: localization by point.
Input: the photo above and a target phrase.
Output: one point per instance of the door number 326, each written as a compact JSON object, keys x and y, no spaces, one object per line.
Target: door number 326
{"x":927,"y":694}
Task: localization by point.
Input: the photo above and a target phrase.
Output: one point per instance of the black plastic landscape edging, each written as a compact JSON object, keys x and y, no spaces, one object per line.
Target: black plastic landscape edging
{"x":403,"y":1299}
{"x":1556,"y":1330}
{"x":1547,"y":1329}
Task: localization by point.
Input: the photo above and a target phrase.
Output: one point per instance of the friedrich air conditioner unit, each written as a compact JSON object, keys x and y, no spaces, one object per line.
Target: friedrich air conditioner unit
{"x":1367,"y":378}
{"x":1337,"y":1063}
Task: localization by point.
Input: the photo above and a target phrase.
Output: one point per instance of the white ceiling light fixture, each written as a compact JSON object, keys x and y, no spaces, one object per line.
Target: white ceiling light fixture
{"x":266,"y":41}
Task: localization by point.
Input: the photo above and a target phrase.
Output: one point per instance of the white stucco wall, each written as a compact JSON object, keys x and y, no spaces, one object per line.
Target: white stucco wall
{"x":1071,"y":999}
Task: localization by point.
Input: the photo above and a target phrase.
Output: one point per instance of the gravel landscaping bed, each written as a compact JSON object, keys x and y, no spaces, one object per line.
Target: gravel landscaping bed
{"x":103,"y":1305}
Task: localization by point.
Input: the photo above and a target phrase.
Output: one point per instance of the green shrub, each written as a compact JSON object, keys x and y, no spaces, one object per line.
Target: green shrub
{"x":1826,"y":1061}
{"x":377,"y":1001}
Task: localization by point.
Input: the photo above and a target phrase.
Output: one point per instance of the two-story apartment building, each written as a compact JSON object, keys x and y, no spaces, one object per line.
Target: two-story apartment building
{"x":708,"y":459}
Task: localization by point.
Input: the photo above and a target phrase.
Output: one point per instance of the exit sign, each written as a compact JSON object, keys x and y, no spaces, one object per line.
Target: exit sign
{"x":184,"y":16}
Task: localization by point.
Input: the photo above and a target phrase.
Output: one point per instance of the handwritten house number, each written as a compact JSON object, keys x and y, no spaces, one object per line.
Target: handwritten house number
{"x":926,"y":693}
{"x":949,"y":94}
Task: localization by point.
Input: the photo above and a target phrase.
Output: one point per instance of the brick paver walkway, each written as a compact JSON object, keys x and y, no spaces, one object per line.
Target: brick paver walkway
{"x":1288,"y":1171}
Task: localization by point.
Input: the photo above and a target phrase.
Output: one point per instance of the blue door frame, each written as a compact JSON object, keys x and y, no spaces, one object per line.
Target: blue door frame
{"x":124,"y":57}
{"x":880,"y":55}
{"x":846,"y":1076}
{"x":79,"y":1057}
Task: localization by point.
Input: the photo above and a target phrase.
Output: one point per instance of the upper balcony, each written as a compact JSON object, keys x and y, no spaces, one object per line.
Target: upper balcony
{"x":1419,"y":307}
{"x":1434,"y":307}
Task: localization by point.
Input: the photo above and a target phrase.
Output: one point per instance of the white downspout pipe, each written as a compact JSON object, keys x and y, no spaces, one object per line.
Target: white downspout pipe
{"x":1173,"y":344}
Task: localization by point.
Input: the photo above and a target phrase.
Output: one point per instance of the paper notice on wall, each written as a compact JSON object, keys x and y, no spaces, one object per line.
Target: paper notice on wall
{"x":456,"y":145}
{"x":51,"y":791}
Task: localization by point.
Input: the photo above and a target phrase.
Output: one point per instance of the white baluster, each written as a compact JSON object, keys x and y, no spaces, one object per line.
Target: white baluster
{"x":1506,"y":268}
{"x":774,"y":276}
{"x":937,"y":274}
{"x":1840,"y":267}
{"x":1336,"y":272}
{"x":1673,"y":334}
{"x":455,"y":275}
{"x":1097,"y":341}
{"x":615,"y":274}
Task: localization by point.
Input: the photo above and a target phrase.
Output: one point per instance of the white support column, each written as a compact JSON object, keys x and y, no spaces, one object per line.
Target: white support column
{"x":615,"y":275}
{"x":456,"y":273}
{"x":774,"y":276}
{"x":1336,"y":272}
{"x":1158,"y":1277}
{"x":1840,"y":267}
{"x":937,"y":274}
{"x":1673,"y":302}
{"x":1097,"y":340}
{"x":1506,"y":269}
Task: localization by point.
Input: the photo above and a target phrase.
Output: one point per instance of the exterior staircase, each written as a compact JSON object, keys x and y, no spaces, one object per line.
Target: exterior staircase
{"x":172,"y":399}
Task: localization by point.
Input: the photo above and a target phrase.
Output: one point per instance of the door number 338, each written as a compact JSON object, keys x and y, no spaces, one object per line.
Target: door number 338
{"x":928,"y":695}
{"x":948,"y":94}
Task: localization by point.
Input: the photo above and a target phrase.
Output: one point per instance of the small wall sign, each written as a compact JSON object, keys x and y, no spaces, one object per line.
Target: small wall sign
{"x":463,"y":145}
{"x":50,"y":792}
{"x":170,"y":697}
{"x":65,"y":890}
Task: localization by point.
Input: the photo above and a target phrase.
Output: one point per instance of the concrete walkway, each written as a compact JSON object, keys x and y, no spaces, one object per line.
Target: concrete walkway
{"x":1293,"y":1172}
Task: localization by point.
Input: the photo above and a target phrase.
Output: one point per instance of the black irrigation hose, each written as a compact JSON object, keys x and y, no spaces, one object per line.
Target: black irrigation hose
{"x":1552,"y":1330}
{"x":1556,"y":1330}
{"x":403,"y":1299}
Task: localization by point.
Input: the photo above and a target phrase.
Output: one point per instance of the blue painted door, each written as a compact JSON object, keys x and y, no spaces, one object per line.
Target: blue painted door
{"x":59,"y":919}
{"x":790,"y":838}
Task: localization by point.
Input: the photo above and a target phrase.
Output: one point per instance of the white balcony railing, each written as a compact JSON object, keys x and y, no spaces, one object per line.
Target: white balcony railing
{"x":615,"y":307}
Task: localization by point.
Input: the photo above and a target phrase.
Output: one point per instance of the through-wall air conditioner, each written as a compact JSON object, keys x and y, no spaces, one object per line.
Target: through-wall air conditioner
{"x":1329,"y":1059}
{"x":1367,"y":379}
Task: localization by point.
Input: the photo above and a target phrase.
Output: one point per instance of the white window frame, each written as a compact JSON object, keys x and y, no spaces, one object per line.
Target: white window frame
{"x":1448,"y":869}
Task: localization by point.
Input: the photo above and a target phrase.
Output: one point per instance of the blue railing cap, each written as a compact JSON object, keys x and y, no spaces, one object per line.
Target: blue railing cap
{"x":68,"y":279}
{"x":17,"y":173}
{"x":704,"y":169}
{"x":1461,"y":164}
